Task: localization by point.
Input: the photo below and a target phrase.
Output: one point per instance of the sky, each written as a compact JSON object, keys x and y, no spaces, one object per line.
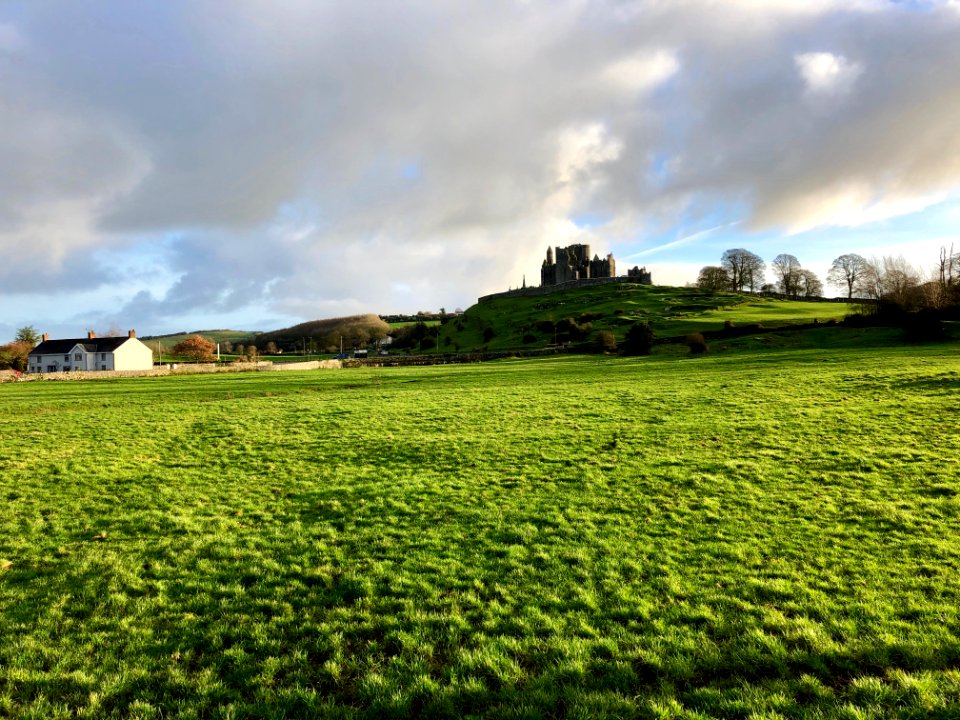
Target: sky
{"x":199,"y":164}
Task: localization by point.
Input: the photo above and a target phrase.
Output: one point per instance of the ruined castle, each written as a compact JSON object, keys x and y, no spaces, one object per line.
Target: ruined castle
{"x":574,"y":263}
{"x":573,"y":267}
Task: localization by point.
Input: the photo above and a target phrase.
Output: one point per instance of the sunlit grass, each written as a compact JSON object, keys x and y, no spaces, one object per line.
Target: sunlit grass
{"x":756,"y":533}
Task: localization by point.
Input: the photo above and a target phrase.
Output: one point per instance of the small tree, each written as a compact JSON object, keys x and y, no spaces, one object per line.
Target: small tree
{"x":271,"y":348}
{"x":196,"y":348}
{"x":252,"y":352}
{"x":27,"y":334}
{"x":638,"y":340}
{"x":713,"y":278}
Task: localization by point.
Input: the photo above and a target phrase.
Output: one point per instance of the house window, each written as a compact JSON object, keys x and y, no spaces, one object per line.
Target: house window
{"x":103,"y":356}
{"x":78,"y":357}
{"x":51,"y":368}
{"x":103,"y":367}
{"x":66,"y":367}
{"x":67,"y":358}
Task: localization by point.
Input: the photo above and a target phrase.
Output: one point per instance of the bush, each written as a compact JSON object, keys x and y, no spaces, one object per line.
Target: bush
{"x":529,"y":338}
{"x":545,"y":326}
{"x":488,"y":334}
{"x":605,"y":341}
{"x":15,"y":355}
{"x":638,"y":340}
{"x":589,"y":317}
{"x":697,"y":343}
{"x":923,"y":326}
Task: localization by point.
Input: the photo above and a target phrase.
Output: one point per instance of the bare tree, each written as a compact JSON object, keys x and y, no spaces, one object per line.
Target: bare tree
{"x":744,"y":268}
{"x":848,"y":271}
{"x":787,"y":269}
{"x":899,"y":281}
{"x":809,"y":285}
{"x":713,"y":278}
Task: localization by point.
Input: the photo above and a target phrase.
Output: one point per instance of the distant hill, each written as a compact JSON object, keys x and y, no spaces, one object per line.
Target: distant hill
{"x":219,"y":336}
{"x":575,"y":316}
{"x":354,"y":330}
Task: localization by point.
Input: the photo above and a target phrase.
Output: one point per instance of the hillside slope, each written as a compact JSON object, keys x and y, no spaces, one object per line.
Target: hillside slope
{"x":577,"y":315}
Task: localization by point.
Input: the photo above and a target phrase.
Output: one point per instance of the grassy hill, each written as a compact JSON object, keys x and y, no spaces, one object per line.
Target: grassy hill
{"x":530,"y":322}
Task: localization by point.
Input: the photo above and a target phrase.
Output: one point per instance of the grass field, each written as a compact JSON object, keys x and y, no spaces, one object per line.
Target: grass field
{"x":515,"y":322}
{"x":753,"y":534}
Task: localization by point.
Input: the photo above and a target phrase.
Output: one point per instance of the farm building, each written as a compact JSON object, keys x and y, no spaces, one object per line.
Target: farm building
{"x":91,"y":353}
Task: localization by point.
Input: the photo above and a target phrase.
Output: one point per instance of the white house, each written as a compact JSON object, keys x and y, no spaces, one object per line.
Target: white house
{"x":93,"y":353}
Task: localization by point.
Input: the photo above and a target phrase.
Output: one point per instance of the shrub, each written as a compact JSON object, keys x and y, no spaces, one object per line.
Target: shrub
{"x":697,"y":343}
{"x":529,"y":338}
{"x":488,"y":334}
{"x":605,"y":341}
{"x":545,"y":326}
{"x":923,"y":326}
{"x":589,"y":317}
{"x":196,"y":348}
{"x":638,"y":340}
{"x":15,"y":355}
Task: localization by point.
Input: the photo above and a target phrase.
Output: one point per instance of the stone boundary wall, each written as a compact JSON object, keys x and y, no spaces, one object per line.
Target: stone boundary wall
{"x":171,"y":369}
{"x":308,"y":365}
{"x":569,"y":285}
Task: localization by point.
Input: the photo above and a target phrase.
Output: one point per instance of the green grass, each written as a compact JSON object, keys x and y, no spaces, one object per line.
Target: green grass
{"x":512,"y":323}
{"x":755,"y":533}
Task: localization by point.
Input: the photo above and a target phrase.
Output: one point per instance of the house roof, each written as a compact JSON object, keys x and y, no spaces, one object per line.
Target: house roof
{"x":62,"y":347}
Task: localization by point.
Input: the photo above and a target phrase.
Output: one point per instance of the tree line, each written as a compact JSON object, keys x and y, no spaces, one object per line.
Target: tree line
{"x":890,"y":281}
{"x":740,"y":270}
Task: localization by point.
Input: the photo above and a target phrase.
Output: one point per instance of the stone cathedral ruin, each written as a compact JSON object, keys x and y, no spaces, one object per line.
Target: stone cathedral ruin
{"x":572,"y":266}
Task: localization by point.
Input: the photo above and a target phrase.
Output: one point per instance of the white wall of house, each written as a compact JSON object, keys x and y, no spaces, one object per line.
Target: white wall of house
{"x":132,"y":355}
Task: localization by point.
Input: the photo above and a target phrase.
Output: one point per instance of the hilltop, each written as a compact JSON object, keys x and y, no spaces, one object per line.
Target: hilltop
{"x":577,"y":315}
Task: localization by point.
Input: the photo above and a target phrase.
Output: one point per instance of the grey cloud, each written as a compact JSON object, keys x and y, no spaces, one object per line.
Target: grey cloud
{"x":418,"y":143}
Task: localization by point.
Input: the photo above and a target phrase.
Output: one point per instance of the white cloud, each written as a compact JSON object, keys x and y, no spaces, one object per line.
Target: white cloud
{"x":641,"y":72}
{"x":827,"y":74}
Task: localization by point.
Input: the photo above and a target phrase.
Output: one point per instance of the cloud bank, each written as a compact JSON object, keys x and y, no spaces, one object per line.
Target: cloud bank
{"x":306,"y":159}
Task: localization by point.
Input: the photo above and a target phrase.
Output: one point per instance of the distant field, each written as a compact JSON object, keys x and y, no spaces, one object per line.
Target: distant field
{"x":757,"y":533}
{"x":407,"y":323}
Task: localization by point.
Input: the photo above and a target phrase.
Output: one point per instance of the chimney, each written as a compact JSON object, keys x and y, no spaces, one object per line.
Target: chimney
{"x":132,"y":333}
{"x":91,"y":334}
{"x":45,"y":337}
